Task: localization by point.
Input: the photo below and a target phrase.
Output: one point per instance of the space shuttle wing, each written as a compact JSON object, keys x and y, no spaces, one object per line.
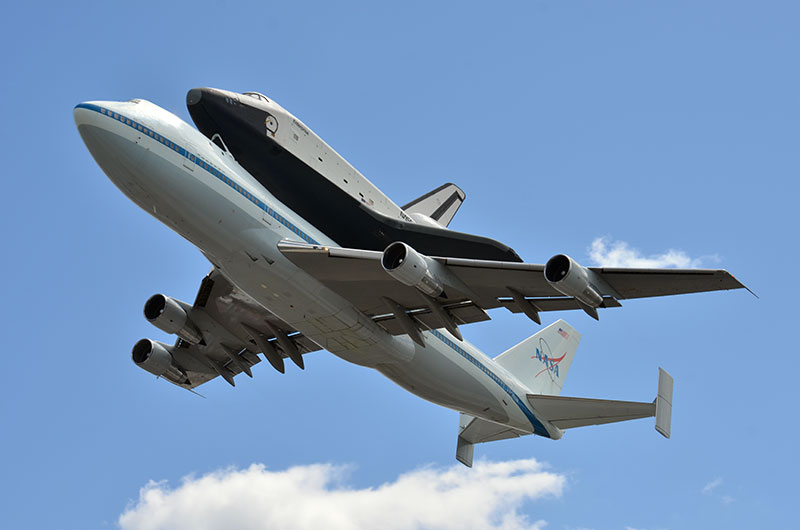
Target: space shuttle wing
{"x":466,"y":288}
{"x":230,"y":329}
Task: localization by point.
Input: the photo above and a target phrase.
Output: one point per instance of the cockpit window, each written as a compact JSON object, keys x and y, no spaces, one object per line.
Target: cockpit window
{"x":257,"y":95}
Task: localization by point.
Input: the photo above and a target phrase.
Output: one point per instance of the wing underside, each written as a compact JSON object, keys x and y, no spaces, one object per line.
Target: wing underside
{"x":357,"y":275}
{"x":235,"y":329}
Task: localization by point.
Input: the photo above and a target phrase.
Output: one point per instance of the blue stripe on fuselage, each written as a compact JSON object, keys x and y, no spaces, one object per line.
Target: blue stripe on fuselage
{"x":191,"y":157}
{"x":538,"y":428}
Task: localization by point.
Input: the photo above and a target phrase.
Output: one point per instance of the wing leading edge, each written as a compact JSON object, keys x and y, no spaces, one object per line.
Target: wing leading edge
{"x":479,"y":285}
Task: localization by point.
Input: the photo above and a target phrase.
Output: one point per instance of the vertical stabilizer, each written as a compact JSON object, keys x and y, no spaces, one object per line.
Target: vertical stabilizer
{"x":465,"y":451}
{"x":541,"y":361}
{"x":440,"y":204}
{"x":664,"y":403}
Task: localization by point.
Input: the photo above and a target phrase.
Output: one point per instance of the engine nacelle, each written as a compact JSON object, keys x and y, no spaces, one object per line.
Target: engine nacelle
{"x":167,"y":314}
{"x":411,"y":268}
{"x":155,"y":357}
{"x":569,"y":278}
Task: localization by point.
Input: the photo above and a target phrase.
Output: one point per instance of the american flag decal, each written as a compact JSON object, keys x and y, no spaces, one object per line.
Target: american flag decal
{"x":563,"y":333}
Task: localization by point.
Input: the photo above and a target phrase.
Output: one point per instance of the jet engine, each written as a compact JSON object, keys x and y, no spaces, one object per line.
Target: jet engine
{"x":168,"y":314}
{"x":411,"y":268}
{"x":569,"y":278}
{"x":155,"y":357}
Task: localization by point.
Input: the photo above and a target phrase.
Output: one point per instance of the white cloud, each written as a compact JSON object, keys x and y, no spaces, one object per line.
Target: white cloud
{"x":605,"y":252}
{"x":709,"y":488}
{"x":726,"y":499}
{"x":316,"y":496}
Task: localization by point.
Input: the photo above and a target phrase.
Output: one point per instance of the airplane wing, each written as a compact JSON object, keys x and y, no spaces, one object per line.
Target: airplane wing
{"x":358,"y":276}
{"x":644,"y":283}
{"x":234,"y":329}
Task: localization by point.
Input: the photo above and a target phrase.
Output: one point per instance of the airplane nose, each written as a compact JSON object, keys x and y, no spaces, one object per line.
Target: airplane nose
{"x":81,"y":115}
{"x":194,"y":96}
{"x":95,"y":113}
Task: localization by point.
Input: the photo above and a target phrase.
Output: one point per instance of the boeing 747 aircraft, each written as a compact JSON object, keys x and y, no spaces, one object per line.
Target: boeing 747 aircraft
{"x":308,"y":254}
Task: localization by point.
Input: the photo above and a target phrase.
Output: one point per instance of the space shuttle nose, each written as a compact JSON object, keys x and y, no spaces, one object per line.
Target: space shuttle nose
{"x":194,"y":96}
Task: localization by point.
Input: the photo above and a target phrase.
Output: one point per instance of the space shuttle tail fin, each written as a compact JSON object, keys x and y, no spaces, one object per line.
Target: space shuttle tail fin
{"x":541,"y":362}
{"x":440,"y":204}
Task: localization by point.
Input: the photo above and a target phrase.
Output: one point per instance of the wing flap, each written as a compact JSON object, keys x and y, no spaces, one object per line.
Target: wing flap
{"x":463,"y":313}
{"x":555,"y":304}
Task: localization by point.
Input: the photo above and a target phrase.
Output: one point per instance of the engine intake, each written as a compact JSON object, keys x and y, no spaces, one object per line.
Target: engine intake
{"x":569,"y":278}
{"x":169,"y":315}
{"x":411,"y":268}
{"x":155,"y":357}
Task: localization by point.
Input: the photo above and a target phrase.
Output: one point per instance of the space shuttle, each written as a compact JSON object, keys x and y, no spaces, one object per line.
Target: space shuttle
{"x":308,"y":176}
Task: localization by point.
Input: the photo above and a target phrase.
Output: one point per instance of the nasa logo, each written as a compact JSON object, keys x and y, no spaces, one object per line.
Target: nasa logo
{"x":545,"y":356}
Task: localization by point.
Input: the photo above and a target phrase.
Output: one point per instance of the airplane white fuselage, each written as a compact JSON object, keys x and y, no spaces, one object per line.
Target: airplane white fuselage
{"x":177,"y":175}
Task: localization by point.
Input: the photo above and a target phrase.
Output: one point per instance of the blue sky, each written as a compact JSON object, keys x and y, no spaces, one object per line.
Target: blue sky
{"x":660,"y":126}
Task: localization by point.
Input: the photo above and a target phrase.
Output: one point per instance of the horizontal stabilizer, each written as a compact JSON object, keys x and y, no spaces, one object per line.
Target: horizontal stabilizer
{"x":477,"y":430}
{"x":472,"y":430}
{"x":570,"y":412}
